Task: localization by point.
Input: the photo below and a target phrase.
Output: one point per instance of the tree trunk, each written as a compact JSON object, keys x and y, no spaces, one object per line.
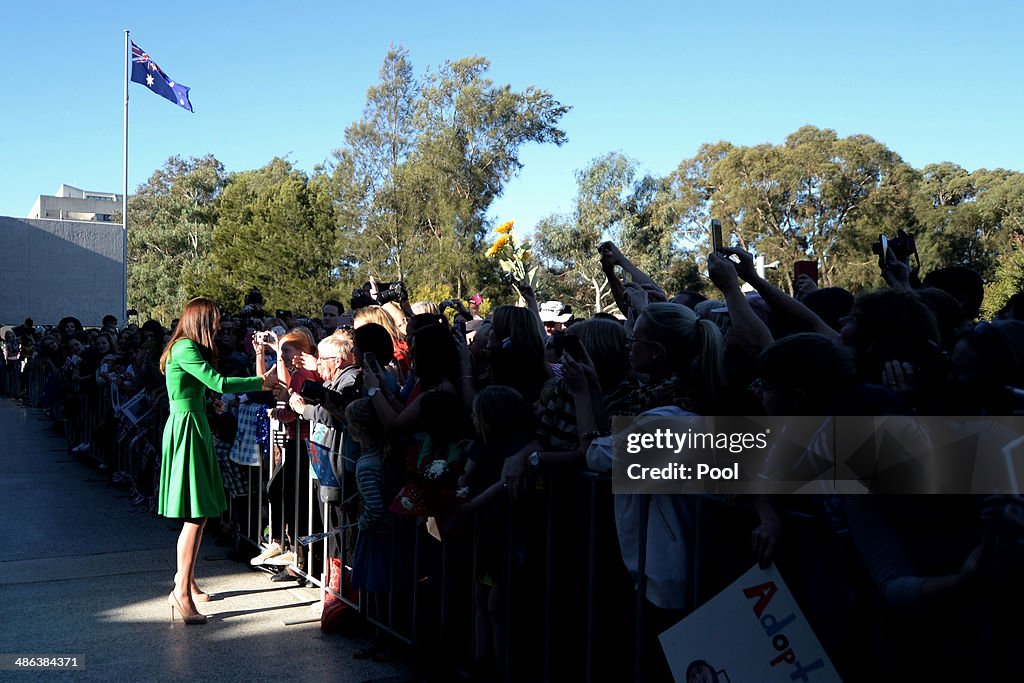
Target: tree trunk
{"x":597,"y":294}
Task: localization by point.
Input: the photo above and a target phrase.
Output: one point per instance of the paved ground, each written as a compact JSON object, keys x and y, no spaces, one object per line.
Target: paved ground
{"x":82,"y":573}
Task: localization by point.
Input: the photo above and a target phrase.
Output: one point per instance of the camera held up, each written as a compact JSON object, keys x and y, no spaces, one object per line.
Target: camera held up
{"x":903,"y":246}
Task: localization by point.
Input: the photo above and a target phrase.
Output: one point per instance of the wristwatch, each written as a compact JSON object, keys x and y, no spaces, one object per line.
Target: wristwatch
{"x":372,"y":391}
{"x":534,"y":460}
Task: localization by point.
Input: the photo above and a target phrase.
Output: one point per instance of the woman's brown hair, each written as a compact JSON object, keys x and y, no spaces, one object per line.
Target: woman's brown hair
{"x":301,"y":339}
{"x":199,"y":322}
{"x":110,"y":340}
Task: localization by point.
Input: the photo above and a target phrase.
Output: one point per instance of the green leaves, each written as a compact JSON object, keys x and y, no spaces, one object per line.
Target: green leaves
{"x":171,"y":219}
{"x":194,"y":230}
{"x":417,"y":174}
{"x":275,"y":232}
{"x":612,"y":202}
{"x":407,"y":194}
{"x":816,"y":195}
{"x":1009,"y":277}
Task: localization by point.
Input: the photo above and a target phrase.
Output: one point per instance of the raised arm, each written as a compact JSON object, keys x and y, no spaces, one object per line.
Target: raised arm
{"x":781,"y":303}
{"x":639,"y":276}
{"x":615,"y":285}
{"x":530,"y":297}
{"x":186,"y":355}
{"x":748,"y":329}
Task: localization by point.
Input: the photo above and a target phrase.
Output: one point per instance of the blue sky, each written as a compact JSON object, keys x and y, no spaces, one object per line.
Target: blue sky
{"x":935,"y":81}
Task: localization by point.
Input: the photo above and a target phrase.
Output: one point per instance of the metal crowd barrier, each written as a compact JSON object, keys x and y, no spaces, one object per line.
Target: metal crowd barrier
{"x":84,"y":414}
{"x":442,"y":584}
{"x":442,"y":572}
{"x":10,"y":377}
{"x":37,"y":381}
{"x":401,"y":618}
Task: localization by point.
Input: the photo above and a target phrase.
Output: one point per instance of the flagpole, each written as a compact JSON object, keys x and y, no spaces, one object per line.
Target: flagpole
{"x":124,"y":196}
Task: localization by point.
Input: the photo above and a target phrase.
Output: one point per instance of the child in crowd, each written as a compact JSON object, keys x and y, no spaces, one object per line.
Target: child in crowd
{"x":375,"y":567}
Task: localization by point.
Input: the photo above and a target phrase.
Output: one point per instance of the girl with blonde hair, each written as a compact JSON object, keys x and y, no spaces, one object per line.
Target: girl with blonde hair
{"x":377,"y":314}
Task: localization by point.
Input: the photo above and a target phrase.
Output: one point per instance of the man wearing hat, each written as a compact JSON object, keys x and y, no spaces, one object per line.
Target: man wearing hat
{"x":555,"y":316}
{"x":474,"y":306}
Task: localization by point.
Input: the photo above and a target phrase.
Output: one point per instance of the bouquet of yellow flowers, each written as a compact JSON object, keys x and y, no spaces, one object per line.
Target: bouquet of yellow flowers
{"x":513,"y":257}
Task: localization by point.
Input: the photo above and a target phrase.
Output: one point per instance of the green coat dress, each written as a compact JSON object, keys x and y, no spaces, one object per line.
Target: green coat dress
{"x":190,"y":482}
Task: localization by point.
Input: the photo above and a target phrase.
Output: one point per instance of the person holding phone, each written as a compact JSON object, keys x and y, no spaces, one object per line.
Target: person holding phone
{"x":190,"y":482}
{"x":612,"y":257}
{"x":716,"y":236}
{"x":335,"y":362}
{"x":682,"y":358}
{"x":378,"y":316}
{"x":292,"y":480}
{"x":598,"y":344}
{"x":805,"y":278}
{"x":436,"y":366}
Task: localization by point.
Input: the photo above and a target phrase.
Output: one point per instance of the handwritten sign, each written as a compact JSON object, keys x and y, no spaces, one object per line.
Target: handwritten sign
{"x":752,"y":632}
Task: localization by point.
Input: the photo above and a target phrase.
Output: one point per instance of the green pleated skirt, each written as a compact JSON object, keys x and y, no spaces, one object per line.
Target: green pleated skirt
{"x":190,"y":481}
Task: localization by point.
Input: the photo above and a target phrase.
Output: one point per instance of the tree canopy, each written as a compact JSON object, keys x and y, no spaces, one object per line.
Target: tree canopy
{"x":815,"y":196}
{"x":406,"y":196}
{"x":171,"y":219}
{"x":418,"y":172}
{"x":275,"y":232}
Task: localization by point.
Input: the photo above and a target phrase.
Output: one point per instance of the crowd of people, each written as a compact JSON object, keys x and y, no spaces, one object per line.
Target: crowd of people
{"x":81,"y":377}
{"x":474,"y":431}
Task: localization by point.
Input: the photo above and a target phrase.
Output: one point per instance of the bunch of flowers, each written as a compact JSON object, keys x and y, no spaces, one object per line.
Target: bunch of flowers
{"x":433,"y":491}
{"x":435,"y":469}
{"x":513,"y":257}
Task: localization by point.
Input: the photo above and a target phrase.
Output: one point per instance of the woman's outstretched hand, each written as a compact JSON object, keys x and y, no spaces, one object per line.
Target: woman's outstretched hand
{"x":270,"y":379}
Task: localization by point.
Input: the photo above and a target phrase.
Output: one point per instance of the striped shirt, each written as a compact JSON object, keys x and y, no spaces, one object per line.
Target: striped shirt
{"x":370,"y":484}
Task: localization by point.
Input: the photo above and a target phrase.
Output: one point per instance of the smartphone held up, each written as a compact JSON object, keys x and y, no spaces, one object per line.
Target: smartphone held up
{"x":808,"y":268}
{"x":716,"y":236}
{"x":370,"y":362}
{"x":568,"y":344}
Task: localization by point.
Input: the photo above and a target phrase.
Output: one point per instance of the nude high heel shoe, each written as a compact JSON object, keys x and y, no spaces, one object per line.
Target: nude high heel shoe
{"x":198,"y":596}
{"x":189,"y":619}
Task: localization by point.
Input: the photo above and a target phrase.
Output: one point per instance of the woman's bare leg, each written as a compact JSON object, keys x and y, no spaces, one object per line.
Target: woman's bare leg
{"x":195,"y":556}
{"x":188,"y":548}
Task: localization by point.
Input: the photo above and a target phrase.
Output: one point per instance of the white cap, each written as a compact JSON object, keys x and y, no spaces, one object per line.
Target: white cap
{"x":555,"y":312}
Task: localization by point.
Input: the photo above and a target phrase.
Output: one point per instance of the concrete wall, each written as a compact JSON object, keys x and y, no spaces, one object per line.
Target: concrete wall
{"x":50,"y":269}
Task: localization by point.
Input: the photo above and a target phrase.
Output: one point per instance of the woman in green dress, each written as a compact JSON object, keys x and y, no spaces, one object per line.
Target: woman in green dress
{"x":190,"y":483}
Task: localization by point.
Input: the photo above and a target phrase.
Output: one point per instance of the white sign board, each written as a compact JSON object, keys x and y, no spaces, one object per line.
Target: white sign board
{"x":752,"y":632}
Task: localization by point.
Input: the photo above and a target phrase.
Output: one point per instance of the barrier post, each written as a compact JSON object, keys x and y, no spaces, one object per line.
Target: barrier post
{"x":591,"y":579}
{"x":509,"y":581}
{"x":549,"y":575}
{"x":641,"y":589}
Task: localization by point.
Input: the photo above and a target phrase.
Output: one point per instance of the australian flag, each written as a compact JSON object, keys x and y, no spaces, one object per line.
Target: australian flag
{"x":146,"y":72}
